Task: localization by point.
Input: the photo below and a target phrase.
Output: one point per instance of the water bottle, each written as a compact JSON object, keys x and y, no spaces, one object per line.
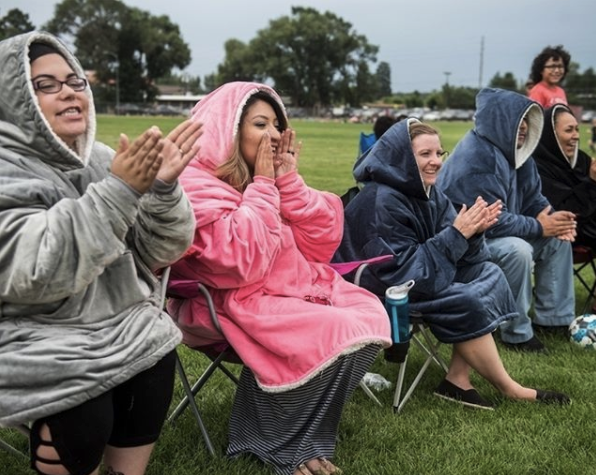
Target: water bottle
{"x":396,"y":303}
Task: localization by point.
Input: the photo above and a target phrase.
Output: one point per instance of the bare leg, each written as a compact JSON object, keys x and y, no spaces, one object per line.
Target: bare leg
{"x":127,"y":461}
{"x":482,"y":355}
{"x":459,"y":371}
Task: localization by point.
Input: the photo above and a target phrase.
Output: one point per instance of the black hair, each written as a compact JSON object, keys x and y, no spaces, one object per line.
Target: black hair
{"x":37,"y":50}
{"x":382,"y":124}
{"x":556,"y":52}
{"x":269,"y":99}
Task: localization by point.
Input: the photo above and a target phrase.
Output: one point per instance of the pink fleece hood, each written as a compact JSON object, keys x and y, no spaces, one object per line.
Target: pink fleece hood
{"x":220,"y":113}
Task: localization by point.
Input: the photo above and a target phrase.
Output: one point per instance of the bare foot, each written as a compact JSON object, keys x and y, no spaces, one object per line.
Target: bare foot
{"x":318,"y":466}
{"x":327,"y":465}
{"x":302,"y":470}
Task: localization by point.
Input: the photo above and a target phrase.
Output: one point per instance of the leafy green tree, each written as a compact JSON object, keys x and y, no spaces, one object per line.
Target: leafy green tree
{"x":462,"y":97}
{"x":354,"y":93}
{"x":414,"y":99}
{"x":211,"y":82}
{"x":315,"y":58}
{"x":14,"y":22}
{"x":384,"y":79}
{"x":238,"y":63}
{"x":121,"y":42}
{"x":435,"y":100}
{"x":507,"y":81}
{"x":581,"y":87}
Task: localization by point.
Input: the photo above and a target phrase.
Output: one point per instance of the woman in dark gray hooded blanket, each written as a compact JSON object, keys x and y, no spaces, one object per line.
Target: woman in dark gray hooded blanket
{"x":568,"y":174}
{"x":462,"y":296}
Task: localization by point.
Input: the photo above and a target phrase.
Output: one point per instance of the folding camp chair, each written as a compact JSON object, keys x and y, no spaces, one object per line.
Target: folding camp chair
{"x":224,"y":353}
{"x":365,"y":142}
{"x":345,"y":268}
{"x":420,"y":335}
{"x":423,"y":339}
{"x":583,"y":257}
{"x":217,"y":354}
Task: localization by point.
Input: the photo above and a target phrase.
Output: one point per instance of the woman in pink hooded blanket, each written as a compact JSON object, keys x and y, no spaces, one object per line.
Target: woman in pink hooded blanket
{"x":263,"y":243}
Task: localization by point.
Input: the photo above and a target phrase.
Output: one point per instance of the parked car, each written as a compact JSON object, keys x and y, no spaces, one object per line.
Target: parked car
{"x":163,"y":109}
{"x":430,"y":116}
{"x":587,"y":116}
{"x":130,"y":109}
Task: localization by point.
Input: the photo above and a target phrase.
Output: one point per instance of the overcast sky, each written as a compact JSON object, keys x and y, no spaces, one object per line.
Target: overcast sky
{"x":421,"y":40}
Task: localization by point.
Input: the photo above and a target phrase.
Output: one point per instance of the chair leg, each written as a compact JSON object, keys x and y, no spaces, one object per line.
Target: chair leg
{"x":400,"y":383}
{"x":369,"y":393}
{"x":225,"y":370}
{"x":414,"y":384}
{"x":195,"y":388}
{"x":431,"y":348}
{"x":190,"y":400}
{"x":591,"y":289}
{"x":432,"y":355}
{"x":9,"y":448}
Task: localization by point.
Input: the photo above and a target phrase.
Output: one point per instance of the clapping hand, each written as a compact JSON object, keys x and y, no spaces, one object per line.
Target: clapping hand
{"x":560,"y":224}
{"x":138,"y":164}
{"x":179,"y":148}
{"x":478,"y":218}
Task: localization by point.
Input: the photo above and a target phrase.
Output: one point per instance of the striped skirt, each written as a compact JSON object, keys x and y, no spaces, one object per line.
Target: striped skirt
{"x":289,"y":428}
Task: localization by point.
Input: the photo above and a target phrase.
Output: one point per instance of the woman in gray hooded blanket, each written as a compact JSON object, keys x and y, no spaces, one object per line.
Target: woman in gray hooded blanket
{"x":86,"y":353}
{"x":461,"y":295}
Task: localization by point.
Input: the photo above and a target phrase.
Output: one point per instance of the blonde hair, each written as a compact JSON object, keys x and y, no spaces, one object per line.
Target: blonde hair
{"x":419,"y":128}
{"x":234,"y":171}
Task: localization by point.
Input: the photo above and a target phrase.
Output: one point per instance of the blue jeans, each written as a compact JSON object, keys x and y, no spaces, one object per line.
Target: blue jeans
{"x":550,"y":261}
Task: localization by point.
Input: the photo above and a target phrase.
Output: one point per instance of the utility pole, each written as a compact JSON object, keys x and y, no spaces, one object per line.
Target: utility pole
{"x":117,"y":63}
{"x":447,"y":74}
{"x":481,"y":63}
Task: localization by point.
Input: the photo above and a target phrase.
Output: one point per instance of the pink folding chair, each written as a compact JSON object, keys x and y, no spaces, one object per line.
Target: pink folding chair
{"x":222,"y":352}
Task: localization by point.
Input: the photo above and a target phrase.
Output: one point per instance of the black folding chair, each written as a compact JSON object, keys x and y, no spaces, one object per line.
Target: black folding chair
{"x":218,"y":354}
{"x":583,"y":258}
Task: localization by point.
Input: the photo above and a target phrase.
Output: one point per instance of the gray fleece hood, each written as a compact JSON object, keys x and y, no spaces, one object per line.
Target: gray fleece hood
{"x":23,"y":128}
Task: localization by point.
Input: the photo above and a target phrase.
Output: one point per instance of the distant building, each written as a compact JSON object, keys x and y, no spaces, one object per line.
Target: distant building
{"x":180,"y":101}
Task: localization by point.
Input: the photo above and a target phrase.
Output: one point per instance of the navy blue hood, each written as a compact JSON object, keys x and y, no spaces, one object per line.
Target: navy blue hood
{"x":391,"y":162}
{"x":499,"y":114}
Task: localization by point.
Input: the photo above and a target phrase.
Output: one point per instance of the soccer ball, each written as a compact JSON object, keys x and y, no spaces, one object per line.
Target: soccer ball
{"x":582,"y":331}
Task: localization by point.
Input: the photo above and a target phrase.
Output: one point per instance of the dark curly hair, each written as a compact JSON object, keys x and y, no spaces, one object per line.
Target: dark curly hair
{"x":556,"y":52}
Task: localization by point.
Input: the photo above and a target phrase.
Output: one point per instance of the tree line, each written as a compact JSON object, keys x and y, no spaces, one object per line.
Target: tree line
{"x":315,"y":59}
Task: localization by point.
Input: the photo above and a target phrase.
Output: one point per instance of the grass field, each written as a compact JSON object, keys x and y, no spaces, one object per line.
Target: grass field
{"x":430,"y":436}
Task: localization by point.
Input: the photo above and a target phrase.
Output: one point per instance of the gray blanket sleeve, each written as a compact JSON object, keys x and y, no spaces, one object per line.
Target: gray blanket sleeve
{"x":79,"y":305}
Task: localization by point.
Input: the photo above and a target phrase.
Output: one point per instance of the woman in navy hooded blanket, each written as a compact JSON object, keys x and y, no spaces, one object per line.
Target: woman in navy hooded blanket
{"x":462,"y":296}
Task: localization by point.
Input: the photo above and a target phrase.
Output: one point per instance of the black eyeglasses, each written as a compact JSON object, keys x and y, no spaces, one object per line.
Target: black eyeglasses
{"x":554,"y":66}
{"x":53,"y":86}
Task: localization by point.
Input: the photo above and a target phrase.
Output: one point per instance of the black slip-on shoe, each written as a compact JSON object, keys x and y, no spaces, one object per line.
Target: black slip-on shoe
{"x":467,"y":397}
{"x":555,"y":330}
{"x":533,"y":345}
{"x":552,"y":397}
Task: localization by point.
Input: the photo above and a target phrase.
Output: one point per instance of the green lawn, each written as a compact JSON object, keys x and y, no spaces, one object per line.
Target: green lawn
{"x":430,"y":436}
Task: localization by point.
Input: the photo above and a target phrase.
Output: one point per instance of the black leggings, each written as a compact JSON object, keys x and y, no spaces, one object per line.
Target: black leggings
{"x":129,"y":415}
